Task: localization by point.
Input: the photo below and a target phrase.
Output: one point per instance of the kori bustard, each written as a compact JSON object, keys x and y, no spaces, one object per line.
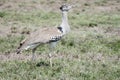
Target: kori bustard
{"x":47,"y":35}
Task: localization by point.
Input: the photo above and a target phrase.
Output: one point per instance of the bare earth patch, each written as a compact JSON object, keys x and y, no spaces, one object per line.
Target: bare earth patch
{"x":13,"y":56}
{"x":4,"y":31}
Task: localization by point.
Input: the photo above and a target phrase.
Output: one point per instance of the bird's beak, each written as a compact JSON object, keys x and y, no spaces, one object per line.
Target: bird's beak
{"x":69,"y":7}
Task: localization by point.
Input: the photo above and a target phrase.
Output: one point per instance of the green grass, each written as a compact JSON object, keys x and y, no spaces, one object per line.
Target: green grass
{"x":76,"y":59}
{"x":33,"y":18}
{"x":8,"y":44}
{"x":95,"y":19}
{"x":90,"y":52}
{"x":40,"y":18}
{"x":69,"y":68}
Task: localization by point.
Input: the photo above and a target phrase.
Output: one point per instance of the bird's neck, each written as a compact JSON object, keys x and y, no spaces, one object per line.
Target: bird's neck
{"x":65,"y":26}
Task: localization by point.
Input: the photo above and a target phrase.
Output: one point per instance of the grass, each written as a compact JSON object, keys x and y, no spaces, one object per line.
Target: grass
{"x":65,"y":68}
{"x":90,"y":52}
{"x":8,"y":43}
{"x":95,"y":19}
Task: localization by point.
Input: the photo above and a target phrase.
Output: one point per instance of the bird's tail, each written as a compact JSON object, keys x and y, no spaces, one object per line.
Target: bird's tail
{"x":19,"y":49}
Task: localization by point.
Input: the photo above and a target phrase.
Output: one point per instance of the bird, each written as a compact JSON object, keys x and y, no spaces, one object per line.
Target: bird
{"x":49,"y":35}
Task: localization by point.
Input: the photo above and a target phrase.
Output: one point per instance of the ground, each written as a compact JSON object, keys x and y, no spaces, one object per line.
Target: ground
{"x":91,"y":51}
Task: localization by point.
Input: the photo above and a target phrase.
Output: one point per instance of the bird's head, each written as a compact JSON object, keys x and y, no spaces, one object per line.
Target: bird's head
{"x":65,"y":7}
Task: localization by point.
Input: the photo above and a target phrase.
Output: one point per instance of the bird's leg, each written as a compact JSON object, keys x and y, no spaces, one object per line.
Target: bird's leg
{"x":50,"y":56}
{"x":52,"y":46}
{"x":50,"y":59}
{"x":33,"y":54}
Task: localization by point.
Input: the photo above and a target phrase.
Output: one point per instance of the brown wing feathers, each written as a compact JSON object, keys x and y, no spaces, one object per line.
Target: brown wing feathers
{"x":41,"y":36}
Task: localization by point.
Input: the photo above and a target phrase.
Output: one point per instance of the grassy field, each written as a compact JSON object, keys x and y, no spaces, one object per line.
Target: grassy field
{"x":91,"y":51}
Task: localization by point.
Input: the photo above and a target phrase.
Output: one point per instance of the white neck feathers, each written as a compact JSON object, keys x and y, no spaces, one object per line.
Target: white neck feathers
{"x":65,"y":26}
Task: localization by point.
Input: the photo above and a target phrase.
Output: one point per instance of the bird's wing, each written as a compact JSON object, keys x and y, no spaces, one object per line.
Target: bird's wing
{"x":42,"y":36}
